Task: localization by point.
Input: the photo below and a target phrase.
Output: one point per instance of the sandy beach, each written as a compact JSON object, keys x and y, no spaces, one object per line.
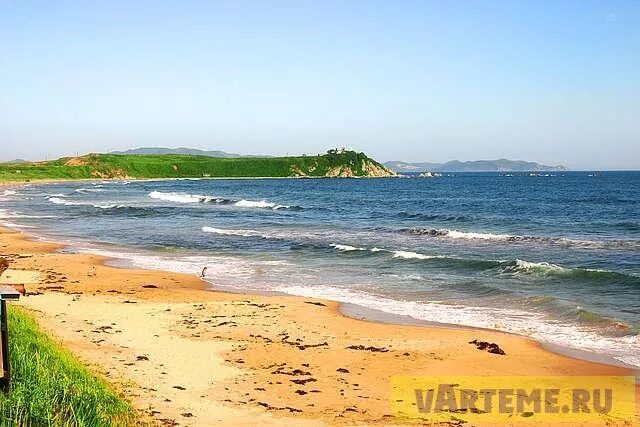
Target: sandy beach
{"x":187,"y":355}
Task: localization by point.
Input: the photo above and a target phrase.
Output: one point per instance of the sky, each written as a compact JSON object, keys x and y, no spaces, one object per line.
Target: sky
{"x":556,"y":82}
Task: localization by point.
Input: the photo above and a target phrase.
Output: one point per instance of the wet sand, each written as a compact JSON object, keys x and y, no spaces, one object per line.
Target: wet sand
{"x":188,"y":355}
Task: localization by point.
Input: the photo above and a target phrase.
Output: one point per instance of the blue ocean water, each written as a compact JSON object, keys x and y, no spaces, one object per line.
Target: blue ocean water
{"x":553,"y":257}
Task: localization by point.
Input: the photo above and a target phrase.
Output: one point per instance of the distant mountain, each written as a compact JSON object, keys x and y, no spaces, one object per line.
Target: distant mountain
{"x":16,"y":161}
{"x":399,"y":166}
{"x":500,"y":165}
{"x":180,"y":150}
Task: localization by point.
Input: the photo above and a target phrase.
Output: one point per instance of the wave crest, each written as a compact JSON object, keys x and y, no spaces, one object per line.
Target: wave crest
{"x":469,"y":235}
{"x":346,"y":248}
{"x":412,"y":255}
{"x":234,"y":232}
{"x":197,"y":198}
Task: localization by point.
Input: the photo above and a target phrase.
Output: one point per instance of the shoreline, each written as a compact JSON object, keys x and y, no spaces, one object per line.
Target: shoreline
{"x":220,"y":326}
{"x":359,"y":312}
{"x":194,"y":178}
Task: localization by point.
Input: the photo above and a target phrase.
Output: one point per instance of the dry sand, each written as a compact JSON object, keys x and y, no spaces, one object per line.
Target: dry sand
{"x":184,"y":354}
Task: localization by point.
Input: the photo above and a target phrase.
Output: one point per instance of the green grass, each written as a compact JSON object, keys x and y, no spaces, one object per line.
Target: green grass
{"x":186,"y":166}
{"x":50,"y":387}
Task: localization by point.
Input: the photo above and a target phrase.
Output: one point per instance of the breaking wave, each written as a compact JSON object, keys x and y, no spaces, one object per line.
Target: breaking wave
{"x":515,"y":267}
{"x":346,"y":248}
{"x":88,"y":190}
{"x":455,"y":234}
{"x":259,"y":204}
{"x":412,"y":255}
{"x":65,"y":202}
{"x":235,"y":232}
{"x":196,"y":198}
{"x":180,"y":197}
{"x":58,"y":200}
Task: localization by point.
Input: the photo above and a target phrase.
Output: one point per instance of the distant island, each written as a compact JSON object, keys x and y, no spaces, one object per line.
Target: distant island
{"x":333,"y":164}
{"x":500,"y":165}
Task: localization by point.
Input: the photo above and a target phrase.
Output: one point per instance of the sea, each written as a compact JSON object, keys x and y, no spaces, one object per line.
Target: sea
{"x":551,"y":256}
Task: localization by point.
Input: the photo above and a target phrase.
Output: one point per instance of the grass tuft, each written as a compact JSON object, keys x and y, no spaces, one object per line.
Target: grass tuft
{"x":51,"y":387}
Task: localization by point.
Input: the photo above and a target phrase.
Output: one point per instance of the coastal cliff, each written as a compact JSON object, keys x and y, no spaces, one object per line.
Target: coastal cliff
{"x":333,"y":164}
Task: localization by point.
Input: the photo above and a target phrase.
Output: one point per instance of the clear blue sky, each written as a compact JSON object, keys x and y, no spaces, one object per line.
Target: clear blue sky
{"x":550,"y":81}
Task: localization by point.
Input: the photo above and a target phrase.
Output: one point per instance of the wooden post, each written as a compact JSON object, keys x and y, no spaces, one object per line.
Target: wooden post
{"x":6,"y":292}
{"x":4,"y":331}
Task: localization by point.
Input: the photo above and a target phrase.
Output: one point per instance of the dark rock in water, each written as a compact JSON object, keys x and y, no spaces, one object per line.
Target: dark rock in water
{"x":490,"y":347}
{"x":426,"y":231}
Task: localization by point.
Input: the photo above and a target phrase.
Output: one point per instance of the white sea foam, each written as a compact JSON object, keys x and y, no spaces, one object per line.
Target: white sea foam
{"x":563,"y":241}
{"x":233,"y":232}
{"x":88,"y":190}
{"x":411,"y":255}
{"x":62,"y":201}
{"x":346,"y":248}
{"x":481,"y":236}
{"x":177,"y":197}
{"x":7,"y":214}
{"x":67,"y":202}
{"x":197,"y":198}
{"x":541,"y":266}
{"x":9,"y":193}
{"x":396,"y":254}
{"x":253,"y":204}
{"x":263,"y":204}
{"x":14,"y":225}
{"x":231,"y":272}
{"x":108,"y":206}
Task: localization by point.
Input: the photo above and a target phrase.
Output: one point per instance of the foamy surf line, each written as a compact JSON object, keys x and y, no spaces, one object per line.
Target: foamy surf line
{"x":235,"y":232}
{"x":624,"y":349}
{"x":60,"y":199}
{"x":4,"y":196}
{"x":396,"y":254}
{"x":509,"y":238}
{"x":197,"y":198}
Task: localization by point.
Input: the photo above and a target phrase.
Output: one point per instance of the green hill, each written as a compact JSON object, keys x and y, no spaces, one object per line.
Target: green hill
{"x":103,"y":166}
